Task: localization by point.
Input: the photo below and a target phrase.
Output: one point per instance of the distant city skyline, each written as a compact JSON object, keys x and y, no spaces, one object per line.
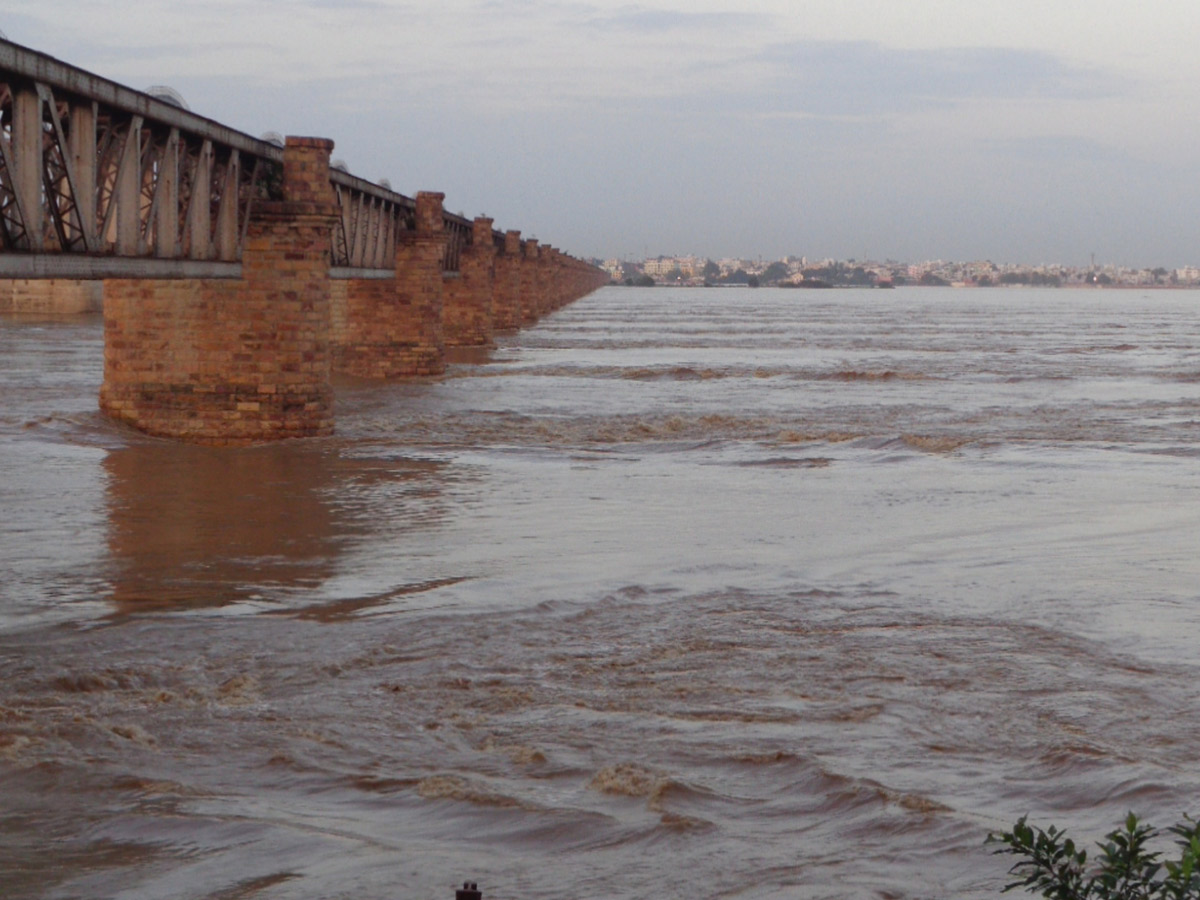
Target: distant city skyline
{"x":848,"y":128}
{"x":691,"y":270}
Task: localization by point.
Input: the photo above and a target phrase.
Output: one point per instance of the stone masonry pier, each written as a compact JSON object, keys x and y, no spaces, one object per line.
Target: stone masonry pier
{"x":242,"y":360}
{"x":233,"y":361}
{"x":238,"y":274}
{"x":393,"y":326}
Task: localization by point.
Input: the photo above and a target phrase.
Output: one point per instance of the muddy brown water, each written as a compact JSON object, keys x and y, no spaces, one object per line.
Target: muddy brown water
{"x":724,"y":593}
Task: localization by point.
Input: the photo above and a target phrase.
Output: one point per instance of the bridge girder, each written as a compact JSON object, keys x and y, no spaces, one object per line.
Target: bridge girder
{"x":98,"y":178}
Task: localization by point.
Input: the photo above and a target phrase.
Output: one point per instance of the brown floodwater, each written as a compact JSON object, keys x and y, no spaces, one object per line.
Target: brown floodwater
{"x":725,"y":593}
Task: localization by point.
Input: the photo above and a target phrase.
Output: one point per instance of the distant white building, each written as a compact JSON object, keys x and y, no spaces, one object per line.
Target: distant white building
{"x":657,"y":268}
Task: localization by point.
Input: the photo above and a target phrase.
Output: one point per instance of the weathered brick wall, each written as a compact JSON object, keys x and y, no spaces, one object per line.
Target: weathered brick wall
{"x":456,"y":307}
{"x":467,"y":307}
{"x":557,"y":294}
{"x":531,"y":285}
{"x":549,"y":281}
{"x":566,"y":279}
{"x":200,"y":360}
{"x":234,"y":361}
{"x":506,"y":285}
{"x":545,"y":287}
{"x":577,"y":279}
{"x":394,"y":327}
{"x":50,"y":296}
{"x":385,"y":337}
{"x":339,"y":290}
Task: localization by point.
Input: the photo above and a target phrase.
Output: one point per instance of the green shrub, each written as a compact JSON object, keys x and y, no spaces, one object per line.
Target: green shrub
{"x":1125,"y":869}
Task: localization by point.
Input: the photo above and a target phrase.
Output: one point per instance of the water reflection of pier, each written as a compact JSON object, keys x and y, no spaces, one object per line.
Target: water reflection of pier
{"x":194,"y":527}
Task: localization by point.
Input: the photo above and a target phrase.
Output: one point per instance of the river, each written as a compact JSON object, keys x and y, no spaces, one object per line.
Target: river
{"x":680,"y":593}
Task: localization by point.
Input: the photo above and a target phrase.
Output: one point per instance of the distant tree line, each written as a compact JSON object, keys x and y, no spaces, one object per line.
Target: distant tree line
{"x":1041,"y":279}
{"x":840,"y":274}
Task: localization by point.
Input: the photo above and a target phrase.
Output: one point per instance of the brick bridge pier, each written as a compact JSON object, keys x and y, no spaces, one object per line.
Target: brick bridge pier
{"x":232,"y":361}
{"x":238,"y":273}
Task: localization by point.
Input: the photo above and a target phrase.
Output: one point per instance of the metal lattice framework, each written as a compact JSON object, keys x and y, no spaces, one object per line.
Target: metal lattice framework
{"x":99,"y":180}
{"x":370,"y":219}
{"x":95,"y":176}
{"x":459,"y":236}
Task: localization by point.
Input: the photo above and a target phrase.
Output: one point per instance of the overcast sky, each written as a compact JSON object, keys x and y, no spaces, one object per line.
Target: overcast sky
{"x":1012,"y":130}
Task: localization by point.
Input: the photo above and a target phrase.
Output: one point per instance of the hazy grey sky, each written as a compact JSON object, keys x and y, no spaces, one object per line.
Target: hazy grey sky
{"x":1015,"y":130}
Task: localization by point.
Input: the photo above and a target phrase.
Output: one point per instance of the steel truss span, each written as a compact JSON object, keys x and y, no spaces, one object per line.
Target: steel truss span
{"x":99,"y":180}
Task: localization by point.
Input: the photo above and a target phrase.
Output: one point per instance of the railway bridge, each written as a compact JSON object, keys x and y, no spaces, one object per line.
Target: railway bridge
{"x":239,"y":273}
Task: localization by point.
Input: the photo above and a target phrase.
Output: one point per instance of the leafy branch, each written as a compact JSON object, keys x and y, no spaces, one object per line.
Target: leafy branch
{"x":1050,"y":863}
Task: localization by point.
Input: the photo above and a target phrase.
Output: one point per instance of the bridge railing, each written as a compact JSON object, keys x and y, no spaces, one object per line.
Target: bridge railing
{"x":458,"y":238}
{"x":370,"y":220}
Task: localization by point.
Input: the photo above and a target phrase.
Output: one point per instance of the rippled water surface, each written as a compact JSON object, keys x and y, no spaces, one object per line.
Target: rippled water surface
{"x":724,"y":593}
